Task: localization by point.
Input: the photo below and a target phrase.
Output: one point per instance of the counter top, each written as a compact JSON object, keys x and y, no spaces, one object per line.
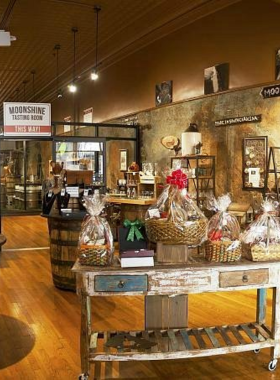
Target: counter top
{"x":131,"y":201}
{"x":69,"y":216}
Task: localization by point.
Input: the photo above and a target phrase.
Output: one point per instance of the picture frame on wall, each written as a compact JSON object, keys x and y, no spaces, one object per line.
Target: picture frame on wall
{"x":123,"y":160}
{"x":254,"y":162}
{"x":277,"y":64}
{"x":216,"y":78}
{"x":164,"y":93}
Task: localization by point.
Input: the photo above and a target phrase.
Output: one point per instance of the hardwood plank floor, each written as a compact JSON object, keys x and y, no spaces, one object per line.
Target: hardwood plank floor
{"x":25,"y":231}
{"x":39,"y":324}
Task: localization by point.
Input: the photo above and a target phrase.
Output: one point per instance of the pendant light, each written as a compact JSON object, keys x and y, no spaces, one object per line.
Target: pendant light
{"x":72,"y":87}
{"x":94,"y":74}
{"x":58,"y":90}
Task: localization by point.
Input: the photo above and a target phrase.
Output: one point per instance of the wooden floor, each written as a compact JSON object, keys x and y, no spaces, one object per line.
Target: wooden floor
{"x":39,"y":324}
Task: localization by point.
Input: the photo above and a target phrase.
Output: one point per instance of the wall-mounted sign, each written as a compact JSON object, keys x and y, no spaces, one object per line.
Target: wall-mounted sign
{"x":270,"y":91}
{"x":88,"y":115}
{"x":238,"y":120}
{"x":67,"y":128}
{"x":27,"y":119}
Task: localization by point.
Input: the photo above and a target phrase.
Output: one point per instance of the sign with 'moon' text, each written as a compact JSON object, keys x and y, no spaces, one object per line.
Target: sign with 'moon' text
{"x":27,"y":119}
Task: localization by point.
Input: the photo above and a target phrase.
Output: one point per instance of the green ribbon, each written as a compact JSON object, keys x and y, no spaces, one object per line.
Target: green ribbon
{"x":134,"y":229}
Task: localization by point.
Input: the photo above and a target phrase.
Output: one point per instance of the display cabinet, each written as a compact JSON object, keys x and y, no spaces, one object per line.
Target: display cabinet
{"x":201,"y":174}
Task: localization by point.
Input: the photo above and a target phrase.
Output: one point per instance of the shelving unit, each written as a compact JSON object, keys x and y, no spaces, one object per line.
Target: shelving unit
{"x":201,"y":177}
{"x":135,"y":181}
{"x":273,"y":168}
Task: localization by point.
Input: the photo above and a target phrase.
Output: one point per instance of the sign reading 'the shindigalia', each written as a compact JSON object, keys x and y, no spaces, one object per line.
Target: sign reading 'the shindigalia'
{"x":27,"y":119}
{"x":238,"y":120}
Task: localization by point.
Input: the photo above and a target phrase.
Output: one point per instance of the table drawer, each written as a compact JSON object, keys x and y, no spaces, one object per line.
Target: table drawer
{"x":121,"y":283}
{"x":244,"y":278}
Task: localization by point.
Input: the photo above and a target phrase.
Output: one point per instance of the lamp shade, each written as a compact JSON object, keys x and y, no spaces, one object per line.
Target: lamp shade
{"x":190,"y":138}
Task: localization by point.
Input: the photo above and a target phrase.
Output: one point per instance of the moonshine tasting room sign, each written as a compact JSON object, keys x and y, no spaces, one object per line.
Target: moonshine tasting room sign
{"x":27,"y":119}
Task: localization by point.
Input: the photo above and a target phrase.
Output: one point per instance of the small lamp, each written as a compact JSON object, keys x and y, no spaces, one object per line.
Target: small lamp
{"x":190,"y":138}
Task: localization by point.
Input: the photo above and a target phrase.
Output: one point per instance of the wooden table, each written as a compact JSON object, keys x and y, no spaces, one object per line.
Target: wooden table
{"x":196,"y":277}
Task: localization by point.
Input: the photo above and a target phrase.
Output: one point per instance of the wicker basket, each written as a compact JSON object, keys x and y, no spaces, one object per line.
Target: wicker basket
{"x":98,"y":255}
{"x":168,"y":232}
{"x":218,"y":251}
{"x":258,"y":252}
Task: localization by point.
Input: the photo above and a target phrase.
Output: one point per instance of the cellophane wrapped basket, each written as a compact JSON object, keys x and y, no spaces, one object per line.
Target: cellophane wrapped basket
{"x":261,"y":240}
{"x":223,"y":244}
{"x":96,"y":244}
{"x":175,"y":219}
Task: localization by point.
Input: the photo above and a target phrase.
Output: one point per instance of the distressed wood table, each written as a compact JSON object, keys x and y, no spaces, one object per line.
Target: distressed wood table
{"x":195,"y":277}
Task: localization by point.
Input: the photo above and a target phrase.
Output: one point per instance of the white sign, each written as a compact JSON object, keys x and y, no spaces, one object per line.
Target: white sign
{"x":73,"y":191}
{"x":254,"y":177}
{"x":88,"y":114}
{"x":67,"y":128}
{"x":27,"y":119}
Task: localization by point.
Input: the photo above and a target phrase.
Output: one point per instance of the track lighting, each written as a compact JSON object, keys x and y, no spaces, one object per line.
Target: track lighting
{"x":58,"y":90}
{"x":59,"y":94}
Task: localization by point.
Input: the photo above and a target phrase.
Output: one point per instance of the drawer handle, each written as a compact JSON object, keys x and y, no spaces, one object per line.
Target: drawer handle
{"x":245,"y":278}
{"x":121,"y":284}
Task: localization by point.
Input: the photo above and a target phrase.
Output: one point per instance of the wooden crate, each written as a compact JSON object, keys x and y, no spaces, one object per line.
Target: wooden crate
{"x":171,"y":253}
{"x":163,"y":311}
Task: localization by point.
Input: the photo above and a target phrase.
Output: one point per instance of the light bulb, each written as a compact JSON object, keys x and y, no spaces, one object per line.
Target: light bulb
{"x":72,"y":87}
{"x":94,"y":75}
{"x":59,"y":94}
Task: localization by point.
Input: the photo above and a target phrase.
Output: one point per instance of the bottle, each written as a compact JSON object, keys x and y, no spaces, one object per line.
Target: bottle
{"x":133,"y":193}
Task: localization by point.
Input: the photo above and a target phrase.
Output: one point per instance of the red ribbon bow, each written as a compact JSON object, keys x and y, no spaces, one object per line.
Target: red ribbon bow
{"x":177,"y":178}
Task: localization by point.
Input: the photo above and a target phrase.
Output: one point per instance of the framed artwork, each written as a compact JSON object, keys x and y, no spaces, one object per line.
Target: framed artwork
{"x":164,"y":93}
{"x":216,"y":78}
{"x":254,"y":162}
{"x":123,"y":160}
{"x":277,"y":64}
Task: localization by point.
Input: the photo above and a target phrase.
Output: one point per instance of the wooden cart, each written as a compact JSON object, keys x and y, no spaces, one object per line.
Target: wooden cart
{"x":197,"y":277}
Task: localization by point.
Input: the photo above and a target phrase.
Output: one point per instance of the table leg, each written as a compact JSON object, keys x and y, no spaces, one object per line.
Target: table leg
{"x":275,"y":351}
{"x":261,"y":306}
{"x":85,"y":335}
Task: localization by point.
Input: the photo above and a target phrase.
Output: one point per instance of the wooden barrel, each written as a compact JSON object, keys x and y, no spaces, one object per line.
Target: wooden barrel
{"x":33,"y":199}
{"x":3,"y":196}
{"x":64,"y":236}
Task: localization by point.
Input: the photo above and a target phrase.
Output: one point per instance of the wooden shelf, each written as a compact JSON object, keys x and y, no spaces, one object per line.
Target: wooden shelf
{"x":180,"y":343}
{"x":130,"y":201}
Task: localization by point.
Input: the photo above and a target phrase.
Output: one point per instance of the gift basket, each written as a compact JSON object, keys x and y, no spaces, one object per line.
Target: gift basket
{"x":96,"y":245}
{"x":261,"y":240}
{"x":223,"y":244}
{"x":175,"y":218}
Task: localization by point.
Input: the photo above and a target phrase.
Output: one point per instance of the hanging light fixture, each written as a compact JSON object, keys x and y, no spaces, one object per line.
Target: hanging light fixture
{"x":72,"y":87}
{"x":94,"y":74}
{"x":58,"y":90}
